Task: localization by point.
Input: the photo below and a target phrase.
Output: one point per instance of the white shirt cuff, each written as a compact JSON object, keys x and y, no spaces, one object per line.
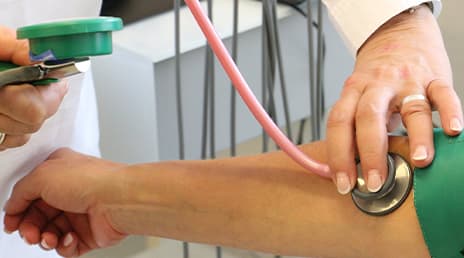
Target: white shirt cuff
{"x":356,"y":20}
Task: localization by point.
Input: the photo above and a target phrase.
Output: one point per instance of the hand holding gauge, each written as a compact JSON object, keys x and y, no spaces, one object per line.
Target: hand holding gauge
{"x":58,"y":50}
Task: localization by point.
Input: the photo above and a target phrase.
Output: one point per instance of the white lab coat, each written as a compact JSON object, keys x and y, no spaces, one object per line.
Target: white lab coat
{"x":74,"y":125}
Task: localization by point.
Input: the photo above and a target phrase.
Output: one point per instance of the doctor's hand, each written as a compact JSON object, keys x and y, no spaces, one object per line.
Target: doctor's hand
{"x":402,"y":72}
{"x":58,"y":204}
{"x":23,"y":108}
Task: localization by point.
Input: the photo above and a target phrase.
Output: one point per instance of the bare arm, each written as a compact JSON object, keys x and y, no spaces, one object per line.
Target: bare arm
{"x":262,"y":202}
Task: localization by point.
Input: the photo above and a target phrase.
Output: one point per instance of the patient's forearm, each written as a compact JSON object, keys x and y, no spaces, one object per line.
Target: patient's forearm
{"x":265,"y":203}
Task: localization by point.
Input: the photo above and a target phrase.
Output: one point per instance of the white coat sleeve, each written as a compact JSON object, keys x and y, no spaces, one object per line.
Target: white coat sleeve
{"x":356,"y":20}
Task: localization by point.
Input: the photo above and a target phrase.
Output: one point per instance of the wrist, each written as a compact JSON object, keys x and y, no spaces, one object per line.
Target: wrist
{"x":137,"y":192}
{"x":413,"y":16}
{"x":111,"y":195}
{"x":411,"y":26}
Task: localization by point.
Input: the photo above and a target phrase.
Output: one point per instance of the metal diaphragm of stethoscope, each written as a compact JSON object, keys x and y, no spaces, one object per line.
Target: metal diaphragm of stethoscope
{"x":386,"y":200}
{"x":69,"y":43}
{"x":392,"y":194}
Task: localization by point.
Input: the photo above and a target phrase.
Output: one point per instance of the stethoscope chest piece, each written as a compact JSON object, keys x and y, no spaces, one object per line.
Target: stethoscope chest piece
{"x":394,"y":192}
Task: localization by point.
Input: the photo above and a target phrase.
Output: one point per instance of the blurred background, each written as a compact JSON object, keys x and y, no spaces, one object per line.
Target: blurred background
{"x":138,"y":90}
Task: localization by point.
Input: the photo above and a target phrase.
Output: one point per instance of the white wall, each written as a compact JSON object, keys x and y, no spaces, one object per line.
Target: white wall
{"x":452,"y":29}
{"x":338,"y":68}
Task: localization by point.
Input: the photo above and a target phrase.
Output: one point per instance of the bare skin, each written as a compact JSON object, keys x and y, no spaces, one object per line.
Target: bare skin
{"x":406,"y":56}
{"x":24,"y":108}
{"x":76,"y":203}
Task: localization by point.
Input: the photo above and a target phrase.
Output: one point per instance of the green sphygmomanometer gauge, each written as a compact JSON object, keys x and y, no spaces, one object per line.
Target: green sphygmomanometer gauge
{"x":66,"y":42}
{"x":70,"y":38}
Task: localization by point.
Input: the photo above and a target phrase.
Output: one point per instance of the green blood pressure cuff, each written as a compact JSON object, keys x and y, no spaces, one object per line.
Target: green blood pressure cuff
{"x":438,"y":197}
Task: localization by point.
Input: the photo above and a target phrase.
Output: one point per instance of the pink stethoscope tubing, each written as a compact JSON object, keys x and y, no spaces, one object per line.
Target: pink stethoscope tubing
{"x":248,"y":97}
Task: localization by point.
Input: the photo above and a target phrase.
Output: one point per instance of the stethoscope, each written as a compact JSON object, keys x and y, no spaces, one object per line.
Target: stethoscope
{"x":386,"y":200}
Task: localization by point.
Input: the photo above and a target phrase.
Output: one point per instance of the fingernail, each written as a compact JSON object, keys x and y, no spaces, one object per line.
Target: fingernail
{"x":420,"y":153}
{"x":7,"y":231}
{"x":343,"y":183}
{"x":44,"y":245}
{"x":68,"y":240}
{"x":455,"y":125}
{"x":374,"y":181}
